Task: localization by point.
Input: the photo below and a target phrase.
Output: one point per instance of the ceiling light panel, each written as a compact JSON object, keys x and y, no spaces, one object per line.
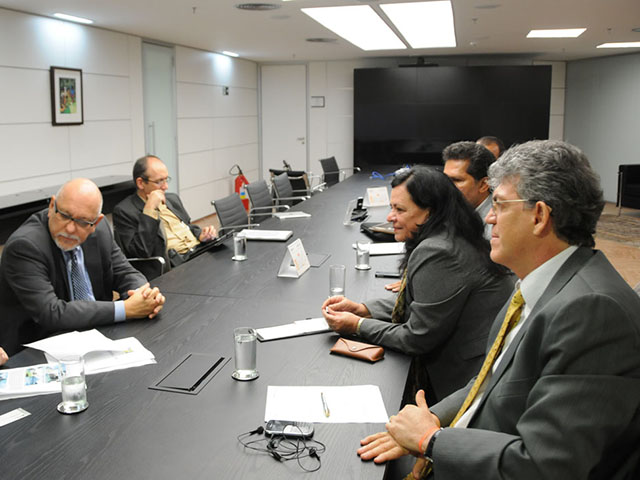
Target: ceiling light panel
{"x":556,"y":33}
{"x":71,"y":18}
{"x":619,"y":45}
{"x":359,"y":25}
{"x":424,"y":24}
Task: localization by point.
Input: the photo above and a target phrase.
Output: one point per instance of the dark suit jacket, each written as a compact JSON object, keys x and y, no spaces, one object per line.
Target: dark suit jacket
{"x":564,"y":403}
{"x":139,"y":234}
{"x":451,"y":301}
{"x":34,"y":291}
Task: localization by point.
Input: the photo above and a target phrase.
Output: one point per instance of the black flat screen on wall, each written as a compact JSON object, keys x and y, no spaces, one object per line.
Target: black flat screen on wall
{"x":409,"y":114}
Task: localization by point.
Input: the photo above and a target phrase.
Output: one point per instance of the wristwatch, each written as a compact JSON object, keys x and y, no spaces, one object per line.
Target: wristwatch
{"x":429,"y":450}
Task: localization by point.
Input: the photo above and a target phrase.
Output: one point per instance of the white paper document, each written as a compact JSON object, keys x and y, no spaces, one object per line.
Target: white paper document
{"x":295,"y":329}
{"x":388,"y":248}
{"x":285,"y":215}
{"x":377,"y":197}
{"x":269,"y":235}
{"x":348,"y":404}
{"x":100,"y":353}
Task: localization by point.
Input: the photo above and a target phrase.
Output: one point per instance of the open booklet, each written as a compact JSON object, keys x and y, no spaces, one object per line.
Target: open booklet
{"x":295,"y":329}
{"x":100,"y":353}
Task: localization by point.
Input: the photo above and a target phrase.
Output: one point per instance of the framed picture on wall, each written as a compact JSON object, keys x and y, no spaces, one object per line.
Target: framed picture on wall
{"x":66,"y":96}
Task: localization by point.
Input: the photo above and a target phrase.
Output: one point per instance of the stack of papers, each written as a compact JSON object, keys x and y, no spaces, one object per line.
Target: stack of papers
{"x":272,"y":235}
{"x":284,"y":215}
{"x":390,"y":248}
{"x":295,"y":329}
{"x":100,"y":353}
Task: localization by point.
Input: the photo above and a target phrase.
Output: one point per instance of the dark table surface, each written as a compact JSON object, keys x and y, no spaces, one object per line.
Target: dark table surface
{"x":131,"y":431}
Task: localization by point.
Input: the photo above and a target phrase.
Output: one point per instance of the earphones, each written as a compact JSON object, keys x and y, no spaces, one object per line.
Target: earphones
{"x":283,"y":448}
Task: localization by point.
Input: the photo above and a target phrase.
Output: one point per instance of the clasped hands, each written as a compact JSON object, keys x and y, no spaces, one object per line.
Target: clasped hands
{"x":342,"y":315}
{"x":403,"y":435}
{"x":144,"y":302}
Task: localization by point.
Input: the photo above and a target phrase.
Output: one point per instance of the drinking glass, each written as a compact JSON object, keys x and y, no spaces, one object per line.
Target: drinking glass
{"x":74,"y":388}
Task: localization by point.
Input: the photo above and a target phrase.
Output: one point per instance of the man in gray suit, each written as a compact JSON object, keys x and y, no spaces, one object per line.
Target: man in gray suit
{"x":60,"y":268}
{"x":467,"y":164}
{"x":561,"y":399}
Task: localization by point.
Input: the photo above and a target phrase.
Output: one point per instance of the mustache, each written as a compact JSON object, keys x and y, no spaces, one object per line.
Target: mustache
{"x":68,"y":237}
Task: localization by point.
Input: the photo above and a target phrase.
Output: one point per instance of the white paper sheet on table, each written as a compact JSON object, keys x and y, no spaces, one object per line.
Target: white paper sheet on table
{"x":347,"y":404}
{"x":387,"y":248}
{"x":295,"y":329}
{"x":285,"y":215}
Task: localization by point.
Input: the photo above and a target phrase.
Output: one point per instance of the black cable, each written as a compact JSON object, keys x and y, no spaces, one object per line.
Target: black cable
{"x":284,"y":448}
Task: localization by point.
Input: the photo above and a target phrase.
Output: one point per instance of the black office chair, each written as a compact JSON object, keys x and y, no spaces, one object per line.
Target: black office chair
{"x":151,"y":267}
{"x":231,"y":213}
{"x":628,"y":187}
{"x":332,"y":172}
{"x":284,"y":191}
{"x":262,"y":202}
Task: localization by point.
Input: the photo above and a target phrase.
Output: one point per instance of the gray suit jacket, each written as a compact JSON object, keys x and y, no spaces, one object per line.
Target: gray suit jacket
{"x":451,"y":302}
{"x":34,"y":290}
{"x":564,"y":403}
{"x":139,"y":234}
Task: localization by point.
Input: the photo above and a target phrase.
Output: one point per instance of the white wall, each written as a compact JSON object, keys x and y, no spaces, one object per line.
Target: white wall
{"x":36,"y":154}
{"x":214,"y":131}
{"x":603,"y":101}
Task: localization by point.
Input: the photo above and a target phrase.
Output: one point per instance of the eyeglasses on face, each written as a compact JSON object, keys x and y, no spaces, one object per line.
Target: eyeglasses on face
{"x":158,"y":183}
{"x":78,"y":221}
{"x":497,"y":205}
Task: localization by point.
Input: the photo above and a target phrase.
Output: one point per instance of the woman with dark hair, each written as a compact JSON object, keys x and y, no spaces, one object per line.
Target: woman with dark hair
{"x":450,"y":293}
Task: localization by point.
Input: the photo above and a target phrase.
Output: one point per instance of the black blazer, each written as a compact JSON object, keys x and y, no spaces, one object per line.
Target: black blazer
{"x":139,"y":234}
{"x":34,"y":291}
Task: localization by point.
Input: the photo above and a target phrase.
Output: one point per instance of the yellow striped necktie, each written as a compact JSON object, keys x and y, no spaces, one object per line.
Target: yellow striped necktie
{"x":511,"y":319}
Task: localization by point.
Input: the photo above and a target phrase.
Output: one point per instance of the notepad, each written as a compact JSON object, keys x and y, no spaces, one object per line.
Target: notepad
{"x":268,"y":235}
{"x":295,"y":329}
{"x":285,"y":215}
{"x":391,"y":248}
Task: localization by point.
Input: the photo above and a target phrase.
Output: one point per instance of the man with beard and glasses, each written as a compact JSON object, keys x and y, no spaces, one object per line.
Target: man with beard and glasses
{"x":60,"y":268}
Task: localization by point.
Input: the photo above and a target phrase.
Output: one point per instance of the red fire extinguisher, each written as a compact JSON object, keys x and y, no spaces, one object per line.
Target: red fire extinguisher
{"x":239,"y":183}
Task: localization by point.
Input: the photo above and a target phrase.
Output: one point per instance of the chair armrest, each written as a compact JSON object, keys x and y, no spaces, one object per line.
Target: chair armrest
{"x":150,"y":267}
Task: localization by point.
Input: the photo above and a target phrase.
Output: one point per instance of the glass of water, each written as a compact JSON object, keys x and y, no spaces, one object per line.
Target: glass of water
{"x":362,"y":255}
{"x":239,"y":247}
{"x":74,"y":388}
{"x":245,"y":340}
{"x":336,"y":279}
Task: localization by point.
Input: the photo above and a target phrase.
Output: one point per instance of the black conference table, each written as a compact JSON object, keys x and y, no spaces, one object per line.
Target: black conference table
{"x":131,"y":431}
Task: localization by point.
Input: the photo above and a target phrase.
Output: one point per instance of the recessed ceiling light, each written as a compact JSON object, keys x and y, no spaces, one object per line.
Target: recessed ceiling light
{"x":556,"y":33}
{"x":423,"y":24}
{"x":358,"y":24}
{"x":619,"y":45}
{"x":230,"y":54}
{"x":72,"y":18}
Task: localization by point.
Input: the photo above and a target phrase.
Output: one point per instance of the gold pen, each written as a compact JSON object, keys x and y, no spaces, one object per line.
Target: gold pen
{"x":324,"y":405}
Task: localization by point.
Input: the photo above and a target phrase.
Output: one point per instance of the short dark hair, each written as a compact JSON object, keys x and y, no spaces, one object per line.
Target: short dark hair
{"x":140,"y":167}
{"x":449,"y":211}
{"x":489,"y":140}
{"x":479,"y":157}
{"x":559,"y":175}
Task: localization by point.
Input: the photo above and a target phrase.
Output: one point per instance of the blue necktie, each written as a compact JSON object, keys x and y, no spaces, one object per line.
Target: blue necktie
{"x":81,"y":290}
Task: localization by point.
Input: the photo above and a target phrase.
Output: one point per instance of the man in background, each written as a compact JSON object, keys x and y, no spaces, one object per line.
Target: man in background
{"x":151,"y":222}
{"x":60,"y":268}
{"x":493,"y":144}
{"x":466,"y":164}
